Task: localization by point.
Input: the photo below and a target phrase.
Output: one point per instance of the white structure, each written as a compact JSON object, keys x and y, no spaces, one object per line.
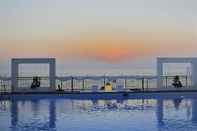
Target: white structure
{"x":17,"y":61}
{"x":162,"y":60}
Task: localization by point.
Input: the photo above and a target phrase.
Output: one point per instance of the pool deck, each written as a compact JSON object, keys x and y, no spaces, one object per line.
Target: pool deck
{"x":164,"y":93}
{"x":130,"y":91}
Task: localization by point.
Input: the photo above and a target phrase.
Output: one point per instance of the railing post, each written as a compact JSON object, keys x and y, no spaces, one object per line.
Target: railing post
{"x":83,"y":84}
{"x":143,"y":84}
{"x":186,"y":81}
{"x":0,"y":84}
{"x":166,"y":77}
{"x":146,"y":83}
{"x":72,"y":84}
{"x":4,"y":87}
{"x":61,"y":84}
{"x":104,"y":81}
{"x":66,"y":84}
{"x":125,"y":83}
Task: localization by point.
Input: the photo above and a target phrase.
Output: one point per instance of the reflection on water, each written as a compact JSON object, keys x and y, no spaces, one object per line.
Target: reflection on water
{"x":81,"y":115}
{"x":14,"y":113}
{"x":177,"y":102}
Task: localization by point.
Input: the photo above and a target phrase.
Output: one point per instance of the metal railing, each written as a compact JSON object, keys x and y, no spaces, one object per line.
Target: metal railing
{"x":83,"y":83}
{"x":5,"y":85}
{"x":86,"y":82}
{"x":25,"y":82}
{"x":185,"y":80}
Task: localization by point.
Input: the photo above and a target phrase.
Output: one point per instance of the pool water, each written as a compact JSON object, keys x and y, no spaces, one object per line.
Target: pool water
{"x":65,"y":114}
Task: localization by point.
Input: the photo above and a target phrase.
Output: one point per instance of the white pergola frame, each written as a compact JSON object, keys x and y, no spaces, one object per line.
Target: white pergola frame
{"x":15,"y":62}
{"x":162,"y":60}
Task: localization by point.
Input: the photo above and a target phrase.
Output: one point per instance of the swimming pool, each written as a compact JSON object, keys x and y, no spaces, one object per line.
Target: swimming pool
{"x":135,"y":112}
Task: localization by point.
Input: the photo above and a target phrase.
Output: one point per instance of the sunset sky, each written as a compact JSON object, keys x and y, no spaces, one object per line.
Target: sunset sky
{"x":94,"y":34}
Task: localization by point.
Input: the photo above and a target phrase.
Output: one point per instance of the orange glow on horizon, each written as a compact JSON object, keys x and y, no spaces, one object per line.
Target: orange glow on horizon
{"x":111,"y":47}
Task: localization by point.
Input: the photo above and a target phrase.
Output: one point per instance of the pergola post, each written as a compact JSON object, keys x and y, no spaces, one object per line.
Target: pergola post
{"x":159,"y":73}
